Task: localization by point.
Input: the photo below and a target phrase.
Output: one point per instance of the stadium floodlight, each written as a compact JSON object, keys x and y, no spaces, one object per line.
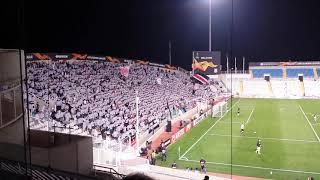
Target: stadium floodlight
{"x":210,"y":4}
{"x":210,"y":22}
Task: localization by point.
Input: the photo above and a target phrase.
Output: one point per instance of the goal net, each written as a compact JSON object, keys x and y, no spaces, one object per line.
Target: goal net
{"x":219,"y":109}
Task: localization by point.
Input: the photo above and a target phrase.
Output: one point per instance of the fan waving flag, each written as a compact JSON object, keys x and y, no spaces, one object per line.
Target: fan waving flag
{"x":169,"y":109}
{"x":159,"y":81}
{"x":200,"y":78}
{"x":124,"y":71}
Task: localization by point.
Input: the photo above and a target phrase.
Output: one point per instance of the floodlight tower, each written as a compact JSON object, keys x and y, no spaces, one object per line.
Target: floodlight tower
{"x":210,"y":25}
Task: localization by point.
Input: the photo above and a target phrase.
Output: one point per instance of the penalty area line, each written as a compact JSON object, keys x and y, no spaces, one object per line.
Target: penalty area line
{"x":275,"y":139}
{"x":250,"y":116}
{"x":207,"y":131}
{"x":309,"y":123}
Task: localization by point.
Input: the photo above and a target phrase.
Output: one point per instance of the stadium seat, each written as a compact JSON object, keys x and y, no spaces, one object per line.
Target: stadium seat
{"x":259,"y":73}
{"x":255,"y":88}
{"x":293,"y":73}
{"x":312,"y":88}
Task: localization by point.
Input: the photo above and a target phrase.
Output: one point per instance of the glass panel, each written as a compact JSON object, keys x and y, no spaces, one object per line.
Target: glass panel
{"x":18,"y":101}
{"x":7,"y":107}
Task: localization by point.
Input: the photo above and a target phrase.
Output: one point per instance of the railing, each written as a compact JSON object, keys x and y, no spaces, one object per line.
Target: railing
{"x":235,"y":72}
{"x":20,"y":168}
{"x":104,"y":169}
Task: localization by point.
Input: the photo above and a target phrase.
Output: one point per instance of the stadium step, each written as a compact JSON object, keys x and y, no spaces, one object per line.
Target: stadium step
{"x":284,"y":73}
{"x":241,"y":88}
{"x":315,"y":72}
{"x":270,"y":87}
{"x":302,"y":88}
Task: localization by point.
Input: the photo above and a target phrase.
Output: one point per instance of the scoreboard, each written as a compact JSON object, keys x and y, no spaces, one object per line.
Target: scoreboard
{"x":206,"y":62}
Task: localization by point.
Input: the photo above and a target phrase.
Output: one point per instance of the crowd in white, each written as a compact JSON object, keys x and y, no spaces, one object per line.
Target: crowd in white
{"x":96,"y":98}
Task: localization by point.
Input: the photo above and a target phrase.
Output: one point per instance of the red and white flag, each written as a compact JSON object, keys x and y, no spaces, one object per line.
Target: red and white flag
{"x":124,"y":71}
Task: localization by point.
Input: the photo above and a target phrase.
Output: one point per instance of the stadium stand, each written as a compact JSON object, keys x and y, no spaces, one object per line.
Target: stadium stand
{"x":312,"y":88}
{"x":20,"y":170}
{"x":255,"y":88}
{"x":292,"y":88}
{"x":278,"y":88}
{"x":94,"y":98}
{"x":259,"y":73}
{"x":236,"y":86}
{"x":292,"y":73}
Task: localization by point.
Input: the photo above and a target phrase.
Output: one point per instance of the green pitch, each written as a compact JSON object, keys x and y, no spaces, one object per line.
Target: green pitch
{"x":289,"y":134}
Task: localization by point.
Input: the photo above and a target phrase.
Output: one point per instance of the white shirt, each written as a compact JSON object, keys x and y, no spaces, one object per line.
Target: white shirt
{"x":242,"y":126}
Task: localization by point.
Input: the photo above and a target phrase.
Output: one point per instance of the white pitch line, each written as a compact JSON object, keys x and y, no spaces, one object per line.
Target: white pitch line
{"x":276,"y":139}
{"x":208,"y":130}
{"x":227,"y":122}
{"x":257,"y":167}
{"x":309,"y":123}
{"x":250,"y":116}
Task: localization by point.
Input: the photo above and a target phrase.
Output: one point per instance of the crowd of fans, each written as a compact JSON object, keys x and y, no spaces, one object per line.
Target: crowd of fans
{"x":95,"y":97}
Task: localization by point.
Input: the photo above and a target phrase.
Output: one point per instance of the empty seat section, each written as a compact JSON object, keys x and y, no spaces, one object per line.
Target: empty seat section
{"x":259,"y":73}
{"x":291,"y":73}
{"x":312,"y":88}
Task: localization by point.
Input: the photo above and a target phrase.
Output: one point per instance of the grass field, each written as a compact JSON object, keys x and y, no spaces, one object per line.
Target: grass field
{"x":289,"y":134}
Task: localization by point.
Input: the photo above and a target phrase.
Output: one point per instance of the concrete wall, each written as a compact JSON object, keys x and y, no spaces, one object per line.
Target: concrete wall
{"x":12,"y":133}
{"x":10,"y":70}
{"x":76,"y":157}
{"x":85,"y":155}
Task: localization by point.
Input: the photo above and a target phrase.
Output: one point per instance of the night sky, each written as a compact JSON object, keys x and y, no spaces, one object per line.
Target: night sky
{"x":261,"y":30}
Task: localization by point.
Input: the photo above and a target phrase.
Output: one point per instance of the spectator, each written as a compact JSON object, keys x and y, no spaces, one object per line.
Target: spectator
{"x":94,"y":98}
{"x":153,"y":158}
{"x":174,"y":165}
{"x":163,"y":154}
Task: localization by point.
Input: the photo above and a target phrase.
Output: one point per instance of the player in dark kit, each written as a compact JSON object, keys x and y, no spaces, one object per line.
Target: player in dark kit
{"x":203,"y":165}
{"x":238,"y":113}
{"x":259,"y":145}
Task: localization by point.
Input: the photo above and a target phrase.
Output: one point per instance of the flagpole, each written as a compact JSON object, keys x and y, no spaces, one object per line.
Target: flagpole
{"x":227,"y":65}
{"x":137,"y":121}
{"x":170,"y":52}
{"x":192,"y":63}
{"x":243,"y":60}
{"x":210,"y":25}
{"x":235,"y":65}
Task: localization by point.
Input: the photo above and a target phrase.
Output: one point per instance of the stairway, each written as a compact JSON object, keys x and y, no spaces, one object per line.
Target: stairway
{"x":241,"y":88}
{"x":284,"y":73}
{"x":315,"y":72}
{"x":302,"y":88}
{"x":270,"y":87}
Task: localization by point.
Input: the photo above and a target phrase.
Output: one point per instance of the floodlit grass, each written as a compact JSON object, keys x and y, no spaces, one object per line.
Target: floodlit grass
{"x":290,"y":146}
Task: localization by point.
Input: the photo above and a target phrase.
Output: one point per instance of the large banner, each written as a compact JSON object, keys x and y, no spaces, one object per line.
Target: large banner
{"x":206,"y":62}
{"x":301,"y":63}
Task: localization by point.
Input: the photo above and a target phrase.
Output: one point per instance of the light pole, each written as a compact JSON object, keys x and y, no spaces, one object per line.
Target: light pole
{"x":169,"y":52}
{"x":209,"y":25}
